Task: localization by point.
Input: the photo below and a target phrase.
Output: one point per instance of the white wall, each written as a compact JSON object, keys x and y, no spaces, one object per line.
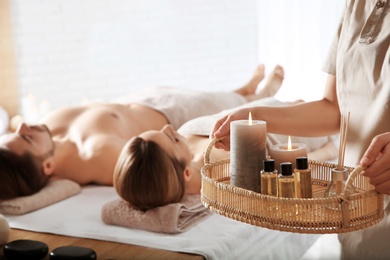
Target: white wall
{"x":70,"y":50}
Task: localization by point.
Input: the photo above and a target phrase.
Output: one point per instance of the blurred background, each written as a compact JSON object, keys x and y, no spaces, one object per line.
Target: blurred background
{"x":56,"y":53}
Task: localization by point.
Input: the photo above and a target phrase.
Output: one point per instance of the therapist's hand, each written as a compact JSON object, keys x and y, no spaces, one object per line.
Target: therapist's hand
{"x":377,"y":161}
{"x":222,"y":128}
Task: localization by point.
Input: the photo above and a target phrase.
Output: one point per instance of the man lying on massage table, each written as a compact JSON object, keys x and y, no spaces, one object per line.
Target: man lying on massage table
{"x":83,"y":143}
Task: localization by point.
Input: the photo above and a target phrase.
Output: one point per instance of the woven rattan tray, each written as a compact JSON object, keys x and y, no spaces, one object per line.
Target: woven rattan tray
{"x":317,"y":215}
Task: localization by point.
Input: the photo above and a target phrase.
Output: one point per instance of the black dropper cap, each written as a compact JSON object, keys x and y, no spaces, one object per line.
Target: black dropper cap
{"x":286,"y":168}
{"x":269,"y":165}
{"x":301,"y":163}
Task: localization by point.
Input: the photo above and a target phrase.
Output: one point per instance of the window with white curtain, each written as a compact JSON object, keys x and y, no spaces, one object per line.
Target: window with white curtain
{"x":297,"y":34}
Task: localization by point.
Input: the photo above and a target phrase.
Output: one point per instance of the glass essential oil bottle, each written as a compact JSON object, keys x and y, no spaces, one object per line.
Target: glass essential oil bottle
{"x":286,"y":181}
{"x":337,"y":184}
{"x":269,"y":184}
{"x":302,"y":175}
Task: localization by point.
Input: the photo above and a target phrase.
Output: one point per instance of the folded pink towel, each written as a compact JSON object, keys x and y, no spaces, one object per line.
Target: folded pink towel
{"x":54,"y":191}
{"x":172,"y":218}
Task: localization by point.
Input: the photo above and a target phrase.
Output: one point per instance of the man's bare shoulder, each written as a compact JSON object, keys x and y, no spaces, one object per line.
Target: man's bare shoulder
{"x":72,"y":112}
{"x":62,"y":119}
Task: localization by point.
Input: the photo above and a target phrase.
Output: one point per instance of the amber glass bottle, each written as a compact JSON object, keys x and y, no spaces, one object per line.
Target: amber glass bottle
{"x":302,"y":175}
{"x":286,"y":181}
{"x":269,"y":178}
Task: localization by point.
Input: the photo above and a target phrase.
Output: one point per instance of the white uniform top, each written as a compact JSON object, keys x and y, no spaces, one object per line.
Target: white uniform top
{"x":360,"y":59}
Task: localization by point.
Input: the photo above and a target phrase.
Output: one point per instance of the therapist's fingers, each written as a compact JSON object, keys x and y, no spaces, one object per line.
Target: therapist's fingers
{"x":378,"y":162}
{"x":222,"y":127}
{"x":219,"y":128}
{"x":223,"y":144}
{"x":222,"y":130}
{"x":383,"y":190}
{"x":375,"y":149}
{"x":383,"y":186}
{"x":379,"y":170}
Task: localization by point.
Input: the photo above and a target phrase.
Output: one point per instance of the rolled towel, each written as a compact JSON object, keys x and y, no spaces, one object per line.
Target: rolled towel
{"x":172,"y":218}
{"x":4,"y":230}
{"x":54,"y":191}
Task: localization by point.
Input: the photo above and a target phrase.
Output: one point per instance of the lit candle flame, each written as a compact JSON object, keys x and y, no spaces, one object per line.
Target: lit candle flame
{"x":289,"y":146}
{"x":250,"y":119}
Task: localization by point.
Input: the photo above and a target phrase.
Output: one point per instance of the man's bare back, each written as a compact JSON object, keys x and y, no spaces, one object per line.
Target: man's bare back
{"x":89,"y":139}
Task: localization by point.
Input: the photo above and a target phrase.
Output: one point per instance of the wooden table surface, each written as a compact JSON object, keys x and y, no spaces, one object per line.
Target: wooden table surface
{"x":104,"y":249}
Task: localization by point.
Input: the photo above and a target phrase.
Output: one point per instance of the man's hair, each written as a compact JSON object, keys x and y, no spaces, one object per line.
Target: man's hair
{"x":20,"y":175}
{"x":147,"y":177}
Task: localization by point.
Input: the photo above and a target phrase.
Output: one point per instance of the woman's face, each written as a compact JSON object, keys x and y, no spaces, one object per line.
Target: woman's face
{"x":171,"y":142}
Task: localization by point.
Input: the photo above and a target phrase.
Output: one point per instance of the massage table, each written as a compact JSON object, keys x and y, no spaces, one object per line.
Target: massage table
{"x":77,"y":221}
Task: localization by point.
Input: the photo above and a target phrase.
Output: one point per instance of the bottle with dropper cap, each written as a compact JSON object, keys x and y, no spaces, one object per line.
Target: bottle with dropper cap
{"x":286,"y":182}
{"x":302,"y":174}
{"x":268,"y":175}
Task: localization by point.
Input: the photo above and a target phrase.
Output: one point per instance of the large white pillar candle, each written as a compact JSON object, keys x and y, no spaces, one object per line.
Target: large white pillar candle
{"x":287,"y":153}
{"x":247,"y":152}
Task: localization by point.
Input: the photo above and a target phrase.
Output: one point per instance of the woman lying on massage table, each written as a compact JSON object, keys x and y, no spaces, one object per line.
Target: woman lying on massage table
{"x":83,"y":143}
{"x":156,"y":168}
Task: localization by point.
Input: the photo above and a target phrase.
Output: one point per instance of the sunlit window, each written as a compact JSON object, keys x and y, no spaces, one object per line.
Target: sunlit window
{"x":297,"y":34}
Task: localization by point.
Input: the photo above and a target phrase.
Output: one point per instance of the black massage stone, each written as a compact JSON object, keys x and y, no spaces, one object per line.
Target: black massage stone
{"x":25,"y":249}
{"x":72,"y":253}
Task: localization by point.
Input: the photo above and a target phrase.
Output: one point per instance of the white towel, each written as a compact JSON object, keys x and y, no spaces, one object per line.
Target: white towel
{"x":180,"y":105}
{"x":216,"y":237}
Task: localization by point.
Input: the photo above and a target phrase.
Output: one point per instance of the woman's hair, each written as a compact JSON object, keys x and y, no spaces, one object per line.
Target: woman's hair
{"x":20,"y":175}
{"x":146,"y":176}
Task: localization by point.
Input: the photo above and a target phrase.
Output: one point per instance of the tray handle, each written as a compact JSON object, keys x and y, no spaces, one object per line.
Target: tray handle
{"x":344,"y":196}
{"x":208,"y":150}
{"x":348,"y":184}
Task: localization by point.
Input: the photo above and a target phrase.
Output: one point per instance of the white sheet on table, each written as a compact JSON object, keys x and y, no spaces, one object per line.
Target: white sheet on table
{"x":217,"y":237}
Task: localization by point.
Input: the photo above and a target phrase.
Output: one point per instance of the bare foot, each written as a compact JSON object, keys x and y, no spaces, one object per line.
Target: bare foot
{"x":273,"y":84}
{"x":251,"y":87}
